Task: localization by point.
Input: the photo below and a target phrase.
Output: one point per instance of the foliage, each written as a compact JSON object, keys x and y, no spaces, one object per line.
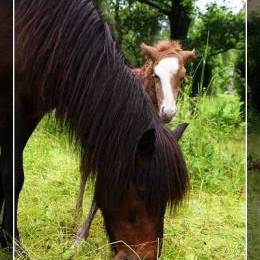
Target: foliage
{"x":134,"y":33}
{"x":216,"y":122}
{"x":5,"y":255}
{"x":253,"y":208}
{"x":253,"y":63}
{"x":226,"y":30}
{"x":218,"y":31}
{"x":133,"y":22}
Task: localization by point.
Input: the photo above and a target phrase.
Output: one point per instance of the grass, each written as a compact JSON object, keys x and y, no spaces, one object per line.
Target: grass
{"x":253,"y":216}
{"x":210,"y":224}
{"x":254,"y":141}
{"x":253,"y":237}
{"x":5,"y":255}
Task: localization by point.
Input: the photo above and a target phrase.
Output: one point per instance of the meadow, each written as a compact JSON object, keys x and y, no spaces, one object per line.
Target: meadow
{"x":253,"y":223}
{"x":209,"y":225}
{"x":253,"y":191}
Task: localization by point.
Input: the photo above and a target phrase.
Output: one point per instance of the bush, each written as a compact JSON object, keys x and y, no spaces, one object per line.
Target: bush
{"x":213,"y":144}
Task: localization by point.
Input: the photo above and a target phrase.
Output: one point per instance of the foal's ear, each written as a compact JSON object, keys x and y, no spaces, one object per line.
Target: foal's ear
{"x":149,"y":51}
{"x":146,"y":143}
{"x":188,"y":55}
{"x":179,"y":130}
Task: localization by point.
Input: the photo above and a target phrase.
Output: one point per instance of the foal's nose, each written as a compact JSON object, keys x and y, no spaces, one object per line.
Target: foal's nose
{"x":168,"y":113}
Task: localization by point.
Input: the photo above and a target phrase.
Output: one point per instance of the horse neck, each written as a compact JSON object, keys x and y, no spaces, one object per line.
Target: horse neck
{"x":78,"y":71}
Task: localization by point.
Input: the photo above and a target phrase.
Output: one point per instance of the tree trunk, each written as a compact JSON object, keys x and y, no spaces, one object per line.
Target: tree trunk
{"x":179,"y":21}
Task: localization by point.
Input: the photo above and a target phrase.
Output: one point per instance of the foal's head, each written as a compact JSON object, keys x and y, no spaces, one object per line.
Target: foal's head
{"x":168,"y":62}
{"x":135,"y":226}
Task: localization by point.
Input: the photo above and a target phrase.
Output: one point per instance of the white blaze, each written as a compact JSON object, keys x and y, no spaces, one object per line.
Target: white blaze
{"x":165,"y":70}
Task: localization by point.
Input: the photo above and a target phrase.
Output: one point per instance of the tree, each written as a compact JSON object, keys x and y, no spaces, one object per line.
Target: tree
{"x":215,"y":33}
{"x":179,"y":13}
{"x":253,"y":62}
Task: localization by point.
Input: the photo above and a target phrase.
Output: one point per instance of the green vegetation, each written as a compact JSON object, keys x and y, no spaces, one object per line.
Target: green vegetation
{"x":4,"y":255}
{"x":253,"y":188}
{"x":254,"y":140}
{"x":209,"y":225}
{"x":253,"y":238}
{"x":253,"y":176}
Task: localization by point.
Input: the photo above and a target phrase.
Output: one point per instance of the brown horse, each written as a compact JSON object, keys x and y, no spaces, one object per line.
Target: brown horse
{"x":66,"y":60}
{"x":161,"y":60}
{"x":6,"y":123}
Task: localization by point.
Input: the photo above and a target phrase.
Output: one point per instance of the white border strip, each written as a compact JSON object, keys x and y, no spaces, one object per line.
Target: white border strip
{"x":13,"y":129}
{"x":246,"y":166}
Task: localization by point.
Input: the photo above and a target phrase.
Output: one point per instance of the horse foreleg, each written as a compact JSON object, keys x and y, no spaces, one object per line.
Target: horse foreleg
{"x":24,"y":126}
{"x":78,"y":209}
{"x":83,"y":232}
{"x":7,"y":199}
{"x":3,"y":243}
{"x":19,"y":180}
{"x":1,"y":192}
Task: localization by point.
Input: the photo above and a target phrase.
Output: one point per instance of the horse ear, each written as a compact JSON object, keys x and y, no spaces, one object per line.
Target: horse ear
{"x":149,"y":51}
{"x":188,"y":55}
{"x":179,"y":130}
{"x":146,"y":143}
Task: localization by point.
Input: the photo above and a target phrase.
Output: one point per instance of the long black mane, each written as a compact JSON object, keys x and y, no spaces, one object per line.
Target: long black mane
{"x":70,"y":61}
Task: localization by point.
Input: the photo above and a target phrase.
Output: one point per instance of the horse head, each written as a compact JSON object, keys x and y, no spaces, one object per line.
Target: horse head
{"x":168,"y":61}
{"x":135,"y":227}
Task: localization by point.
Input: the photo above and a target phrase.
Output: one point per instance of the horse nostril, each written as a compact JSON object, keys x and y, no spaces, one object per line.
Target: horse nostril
{"x":162,"y":110}
{"x":167,"y":114}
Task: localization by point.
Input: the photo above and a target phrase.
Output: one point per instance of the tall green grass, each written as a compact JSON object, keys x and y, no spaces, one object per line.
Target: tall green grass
{"x":253,"y":213}
{"x":210,"y":224}
{"x":254,"y":137}
{"x":253,"y":188}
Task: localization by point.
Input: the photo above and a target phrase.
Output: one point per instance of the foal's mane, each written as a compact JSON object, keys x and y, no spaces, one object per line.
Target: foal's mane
{"x":168,"y":45}
{"x":71,"y":61}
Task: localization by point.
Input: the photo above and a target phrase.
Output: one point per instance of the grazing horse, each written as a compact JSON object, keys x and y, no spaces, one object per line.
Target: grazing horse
{"x":66,"y":60}
{"x":83,"y":232}
{"x":165,"y":65}
{"x":6,"y":123}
